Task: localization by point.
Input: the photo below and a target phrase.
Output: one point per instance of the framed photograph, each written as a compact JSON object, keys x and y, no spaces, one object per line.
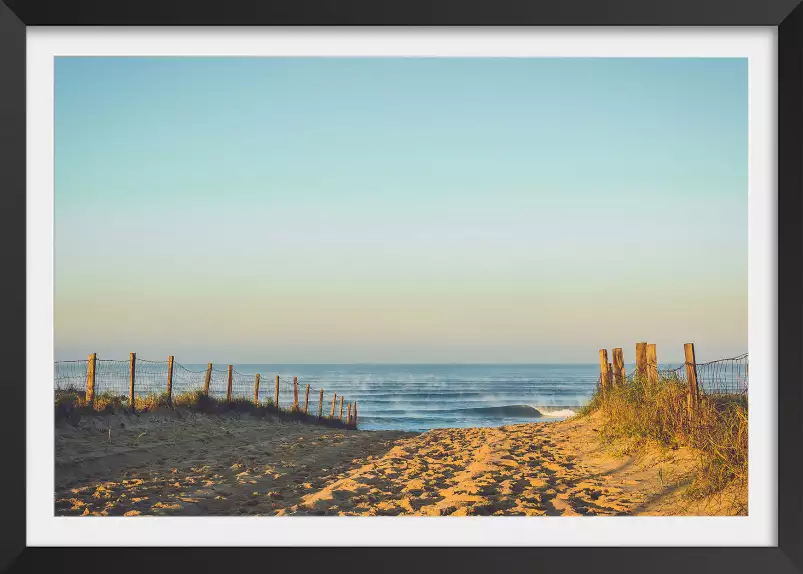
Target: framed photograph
{"x":413,"y":286}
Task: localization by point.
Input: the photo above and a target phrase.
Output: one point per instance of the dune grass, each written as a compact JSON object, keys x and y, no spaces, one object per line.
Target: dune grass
{"x":71,"y":403}
{"x":638,"y":412}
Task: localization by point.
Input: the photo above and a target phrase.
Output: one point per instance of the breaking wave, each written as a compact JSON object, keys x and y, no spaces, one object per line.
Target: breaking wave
{"x":524,"y":411}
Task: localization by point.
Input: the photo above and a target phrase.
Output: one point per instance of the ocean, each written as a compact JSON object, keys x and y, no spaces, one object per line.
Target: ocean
{"x":423,"y":397}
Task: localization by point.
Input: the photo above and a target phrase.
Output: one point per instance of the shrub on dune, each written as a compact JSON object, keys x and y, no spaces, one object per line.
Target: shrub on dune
{"x":639,"y":411}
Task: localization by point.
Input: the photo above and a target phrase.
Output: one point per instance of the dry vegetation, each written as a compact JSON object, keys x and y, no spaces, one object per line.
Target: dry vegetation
{"x":638,"y":414}
{"x":72,"y":404}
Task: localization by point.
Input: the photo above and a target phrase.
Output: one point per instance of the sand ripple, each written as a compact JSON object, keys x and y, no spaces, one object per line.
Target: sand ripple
{"x":194,"y":464}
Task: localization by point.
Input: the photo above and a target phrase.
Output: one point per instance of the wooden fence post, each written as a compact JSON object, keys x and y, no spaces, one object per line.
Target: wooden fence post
{"x":276,"y":396}
{"x":652,"y":364}
{"x":334,"y":401}
{"x":355,"y":413}
{"x":691,"y":375}
{"x":228,"y":385}
{"x":619,"y":373}
{"x":610,"y":376}
{"x":349,"y":418}
{"x":208,"y":379}
{"x":132,"y":369}
{"x":641,"y":359}
{"x":256,"y":390}
{"x":341,"y":409}
{"x":603,"y":371}
{"x":295,"y":392}
{"x":170,"y":379}
{"x":320,"y":405}
{"x":306,"y":400}
{"x":90,"y":378}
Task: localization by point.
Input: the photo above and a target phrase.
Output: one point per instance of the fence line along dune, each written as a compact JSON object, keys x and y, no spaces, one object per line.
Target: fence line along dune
{"x":138,"y":385}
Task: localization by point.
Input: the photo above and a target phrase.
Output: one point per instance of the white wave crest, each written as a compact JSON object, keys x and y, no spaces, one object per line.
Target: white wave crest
{"x":555,"y":411}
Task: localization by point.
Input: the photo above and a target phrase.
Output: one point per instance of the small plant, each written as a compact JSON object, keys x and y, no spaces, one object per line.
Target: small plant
{"x":151,"y":402}
{"x":72,"y":402}
{"x":192,"y":399}
{"x":109,"y":402}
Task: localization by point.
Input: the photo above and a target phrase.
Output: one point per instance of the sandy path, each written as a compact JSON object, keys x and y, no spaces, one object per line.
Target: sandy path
{"x":201,"y":464}
{"x":528,"y":469}
{"x":519,"y":469}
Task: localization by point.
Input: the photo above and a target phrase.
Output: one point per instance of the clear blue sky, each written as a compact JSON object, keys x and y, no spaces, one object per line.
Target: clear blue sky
{"x":399,"y":210}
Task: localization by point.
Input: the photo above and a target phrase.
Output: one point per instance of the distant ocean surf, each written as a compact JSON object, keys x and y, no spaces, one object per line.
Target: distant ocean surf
{"x":423,"y":397}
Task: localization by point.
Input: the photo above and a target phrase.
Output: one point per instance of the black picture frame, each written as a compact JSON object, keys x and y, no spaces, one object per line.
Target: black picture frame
{"x":786,"y":15}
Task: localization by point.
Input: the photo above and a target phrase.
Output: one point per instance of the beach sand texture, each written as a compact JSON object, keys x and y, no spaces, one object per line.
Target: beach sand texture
{"x":187,"y":463}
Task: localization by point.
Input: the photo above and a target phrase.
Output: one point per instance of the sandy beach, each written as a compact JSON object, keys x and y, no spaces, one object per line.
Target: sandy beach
{"x":185,"y":463}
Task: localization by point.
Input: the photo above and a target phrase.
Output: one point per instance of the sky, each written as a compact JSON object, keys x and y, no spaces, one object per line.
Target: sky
{"x":435,"y":210}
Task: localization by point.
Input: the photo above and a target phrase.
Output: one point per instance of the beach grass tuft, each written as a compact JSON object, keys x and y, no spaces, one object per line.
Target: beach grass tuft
{"x":71,"y":403}
{"x":640,"y":412}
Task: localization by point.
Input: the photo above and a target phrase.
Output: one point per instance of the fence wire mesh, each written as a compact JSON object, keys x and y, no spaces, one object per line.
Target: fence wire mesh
{"x":70,"y":375}
{"x":724,"y":376}
{"x":218,"y":383}
{"x":150,"y":377}
{"x":186,"y":380}
{"x":721,"y":377}
{"x":112,"y":377}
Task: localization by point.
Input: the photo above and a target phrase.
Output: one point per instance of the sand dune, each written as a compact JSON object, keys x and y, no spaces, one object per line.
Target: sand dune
{"x":194,"y":464}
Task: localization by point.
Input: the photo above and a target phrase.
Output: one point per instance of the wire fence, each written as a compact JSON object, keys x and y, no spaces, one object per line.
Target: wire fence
{"x":113,"y":377}
{"x":727,"y":376}
{"x":724,"y":376}
{"x":70,"y":374}
{"x":721,"y":377}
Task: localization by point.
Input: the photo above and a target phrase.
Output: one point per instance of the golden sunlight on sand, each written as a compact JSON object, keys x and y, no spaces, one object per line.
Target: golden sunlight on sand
{"x":195,"y":464}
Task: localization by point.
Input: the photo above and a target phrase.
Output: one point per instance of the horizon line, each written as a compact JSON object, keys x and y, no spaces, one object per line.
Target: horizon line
{"x":375,"y":363}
